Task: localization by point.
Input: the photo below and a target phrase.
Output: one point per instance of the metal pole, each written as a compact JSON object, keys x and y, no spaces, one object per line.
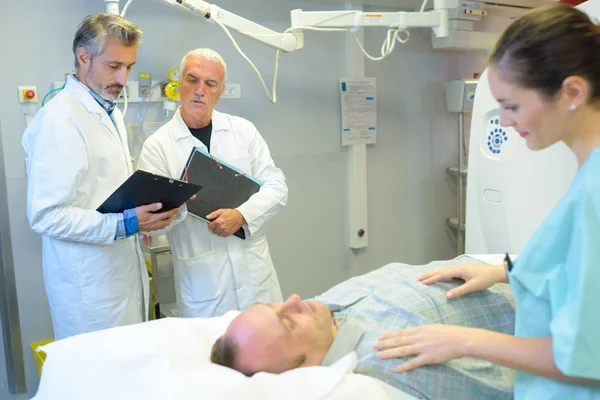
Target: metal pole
{"x":461,"y":218}
{"x":9,"y":310}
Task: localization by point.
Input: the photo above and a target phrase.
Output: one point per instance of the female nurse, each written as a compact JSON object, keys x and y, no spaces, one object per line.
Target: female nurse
{"x":545,"y":74}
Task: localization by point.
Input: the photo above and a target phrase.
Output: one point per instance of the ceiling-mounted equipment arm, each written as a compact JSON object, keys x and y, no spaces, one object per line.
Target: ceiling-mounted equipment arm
{"x":111,"y":6}
{"x":288,"y":41}
{"x":438,"y":19}
{"x":293,"y":38}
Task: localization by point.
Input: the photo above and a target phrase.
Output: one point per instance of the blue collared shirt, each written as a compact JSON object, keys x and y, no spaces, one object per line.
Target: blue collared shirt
{"x":127,"y":224}
{"x":107,"y":105}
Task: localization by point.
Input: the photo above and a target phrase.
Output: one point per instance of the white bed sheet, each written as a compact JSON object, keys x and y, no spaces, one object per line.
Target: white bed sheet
{"x":169,"y":359}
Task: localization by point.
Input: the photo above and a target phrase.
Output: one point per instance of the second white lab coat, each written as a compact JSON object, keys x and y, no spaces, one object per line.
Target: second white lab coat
{"x":78,"y":156}
{"x":214,"y":274}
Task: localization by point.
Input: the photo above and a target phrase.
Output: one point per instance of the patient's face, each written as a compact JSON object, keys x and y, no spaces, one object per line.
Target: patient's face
{"x":278,"y":337}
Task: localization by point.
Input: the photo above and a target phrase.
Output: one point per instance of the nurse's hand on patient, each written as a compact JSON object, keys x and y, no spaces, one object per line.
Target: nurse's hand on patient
{"x":225,"y":222}
{"x":150,"y":220}
{"x":428,"y":344}
{"x":477,"y":277}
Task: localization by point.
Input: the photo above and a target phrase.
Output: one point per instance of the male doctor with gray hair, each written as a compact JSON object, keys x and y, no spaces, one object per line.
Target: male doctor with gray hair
{"x":215,"y":271}
{"x":94,"y":273}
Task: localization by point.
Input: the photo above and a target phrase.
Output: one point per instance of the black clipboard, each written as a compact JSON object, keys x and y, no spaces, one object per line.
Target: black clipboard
{"x":144,"y":188}
{"x":223,"y":186}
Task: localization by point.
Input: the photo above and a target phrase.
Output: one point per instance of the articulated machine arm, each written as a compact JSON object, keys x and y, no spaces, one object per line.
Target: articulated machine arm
{"x":283,"y":41}
{"x":293,"y":39}
{"x":437,"y":19}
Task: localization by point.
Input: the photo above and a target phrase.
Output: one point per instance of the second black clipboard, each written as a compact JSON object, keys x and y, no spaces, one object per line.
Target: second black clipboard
{"x":223,"y":186}
{"x":144,"y":188}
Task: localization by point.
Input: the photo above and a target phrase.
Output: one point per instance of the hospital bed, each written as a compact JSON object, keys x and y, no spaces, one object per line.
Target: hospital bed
{"x":169,"y":359}
{"x":509,"y":191}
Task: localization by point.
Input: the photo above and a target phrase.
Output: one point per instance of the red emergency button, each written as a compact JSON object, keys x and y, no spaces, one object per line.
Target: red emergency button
{"x":28,"y":94}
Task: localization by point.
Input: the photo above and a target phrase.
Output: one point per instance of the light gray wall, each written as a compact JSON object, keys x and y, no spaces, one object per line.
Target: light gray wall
{"x":409,"y":193}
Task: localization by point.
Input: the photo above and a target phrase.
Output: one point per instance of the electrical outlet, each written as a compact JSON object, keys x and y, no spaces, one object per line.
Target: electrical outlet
{"x":144,"y":84}
{"x":123,"y":92}
{"x":232,"y":91}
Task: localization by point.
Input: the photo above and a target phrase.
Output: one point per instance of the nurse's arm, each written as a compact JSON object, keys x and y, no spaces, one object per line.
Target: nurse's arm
{"x":437,"y":344}
{"x":532,"y":355}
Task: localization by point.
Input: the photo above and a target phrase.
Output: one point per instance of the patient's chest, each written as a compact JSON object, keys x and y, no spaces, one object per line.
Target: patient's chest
{"x":392,"y":298}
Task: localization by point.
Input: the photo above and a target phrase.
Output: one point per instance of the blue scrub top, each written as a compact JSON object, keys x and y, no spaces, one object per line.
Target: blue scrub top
{"x":556,"y":285}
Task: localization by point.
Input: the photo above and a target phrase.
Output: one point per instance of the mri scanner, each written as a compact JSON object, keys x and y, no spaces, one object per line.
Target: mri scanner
{"x":510,"y":189}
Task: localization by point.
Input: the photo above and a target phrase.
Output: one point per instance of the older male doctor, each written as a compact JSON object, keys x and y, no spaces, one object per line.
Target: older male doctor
{"x":215,"y":271}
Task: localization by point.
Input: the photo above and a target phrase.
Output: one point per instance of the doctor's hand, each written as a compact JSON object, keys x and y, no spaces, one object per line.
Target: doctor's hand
{"x":149,"y":220}
{"x":477,"y":277}
{"x":225,"y":222}
{"x":428,"y":344}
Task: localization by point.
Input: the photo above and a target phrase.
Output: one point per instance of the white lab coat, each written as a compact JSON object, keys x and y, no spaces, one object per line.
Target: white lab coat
{"x":77,"y":158}
{"x":214,"y":274}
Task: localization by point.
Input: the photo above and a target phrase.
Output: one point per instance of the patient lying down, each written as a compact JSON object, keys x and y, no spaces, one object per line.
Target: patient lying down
{"x":352,"y":315}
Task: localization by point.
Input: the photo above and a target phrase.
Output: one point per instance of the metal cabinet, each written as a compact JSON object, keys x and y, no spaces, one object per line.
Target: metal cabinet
{"x":460,"y":96}
{"x":159,"y":259}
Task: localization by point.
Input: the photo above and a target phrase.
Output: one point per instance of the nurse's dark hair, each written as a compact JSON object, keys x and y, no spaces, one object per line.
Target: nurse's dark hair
{"x":95,"y":30}
{"x":546,"y":45}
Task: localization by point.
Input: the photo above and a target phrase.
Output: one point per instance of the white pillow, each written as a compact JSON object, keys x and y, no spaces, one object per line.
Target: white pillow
{"x":169,"y":359}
